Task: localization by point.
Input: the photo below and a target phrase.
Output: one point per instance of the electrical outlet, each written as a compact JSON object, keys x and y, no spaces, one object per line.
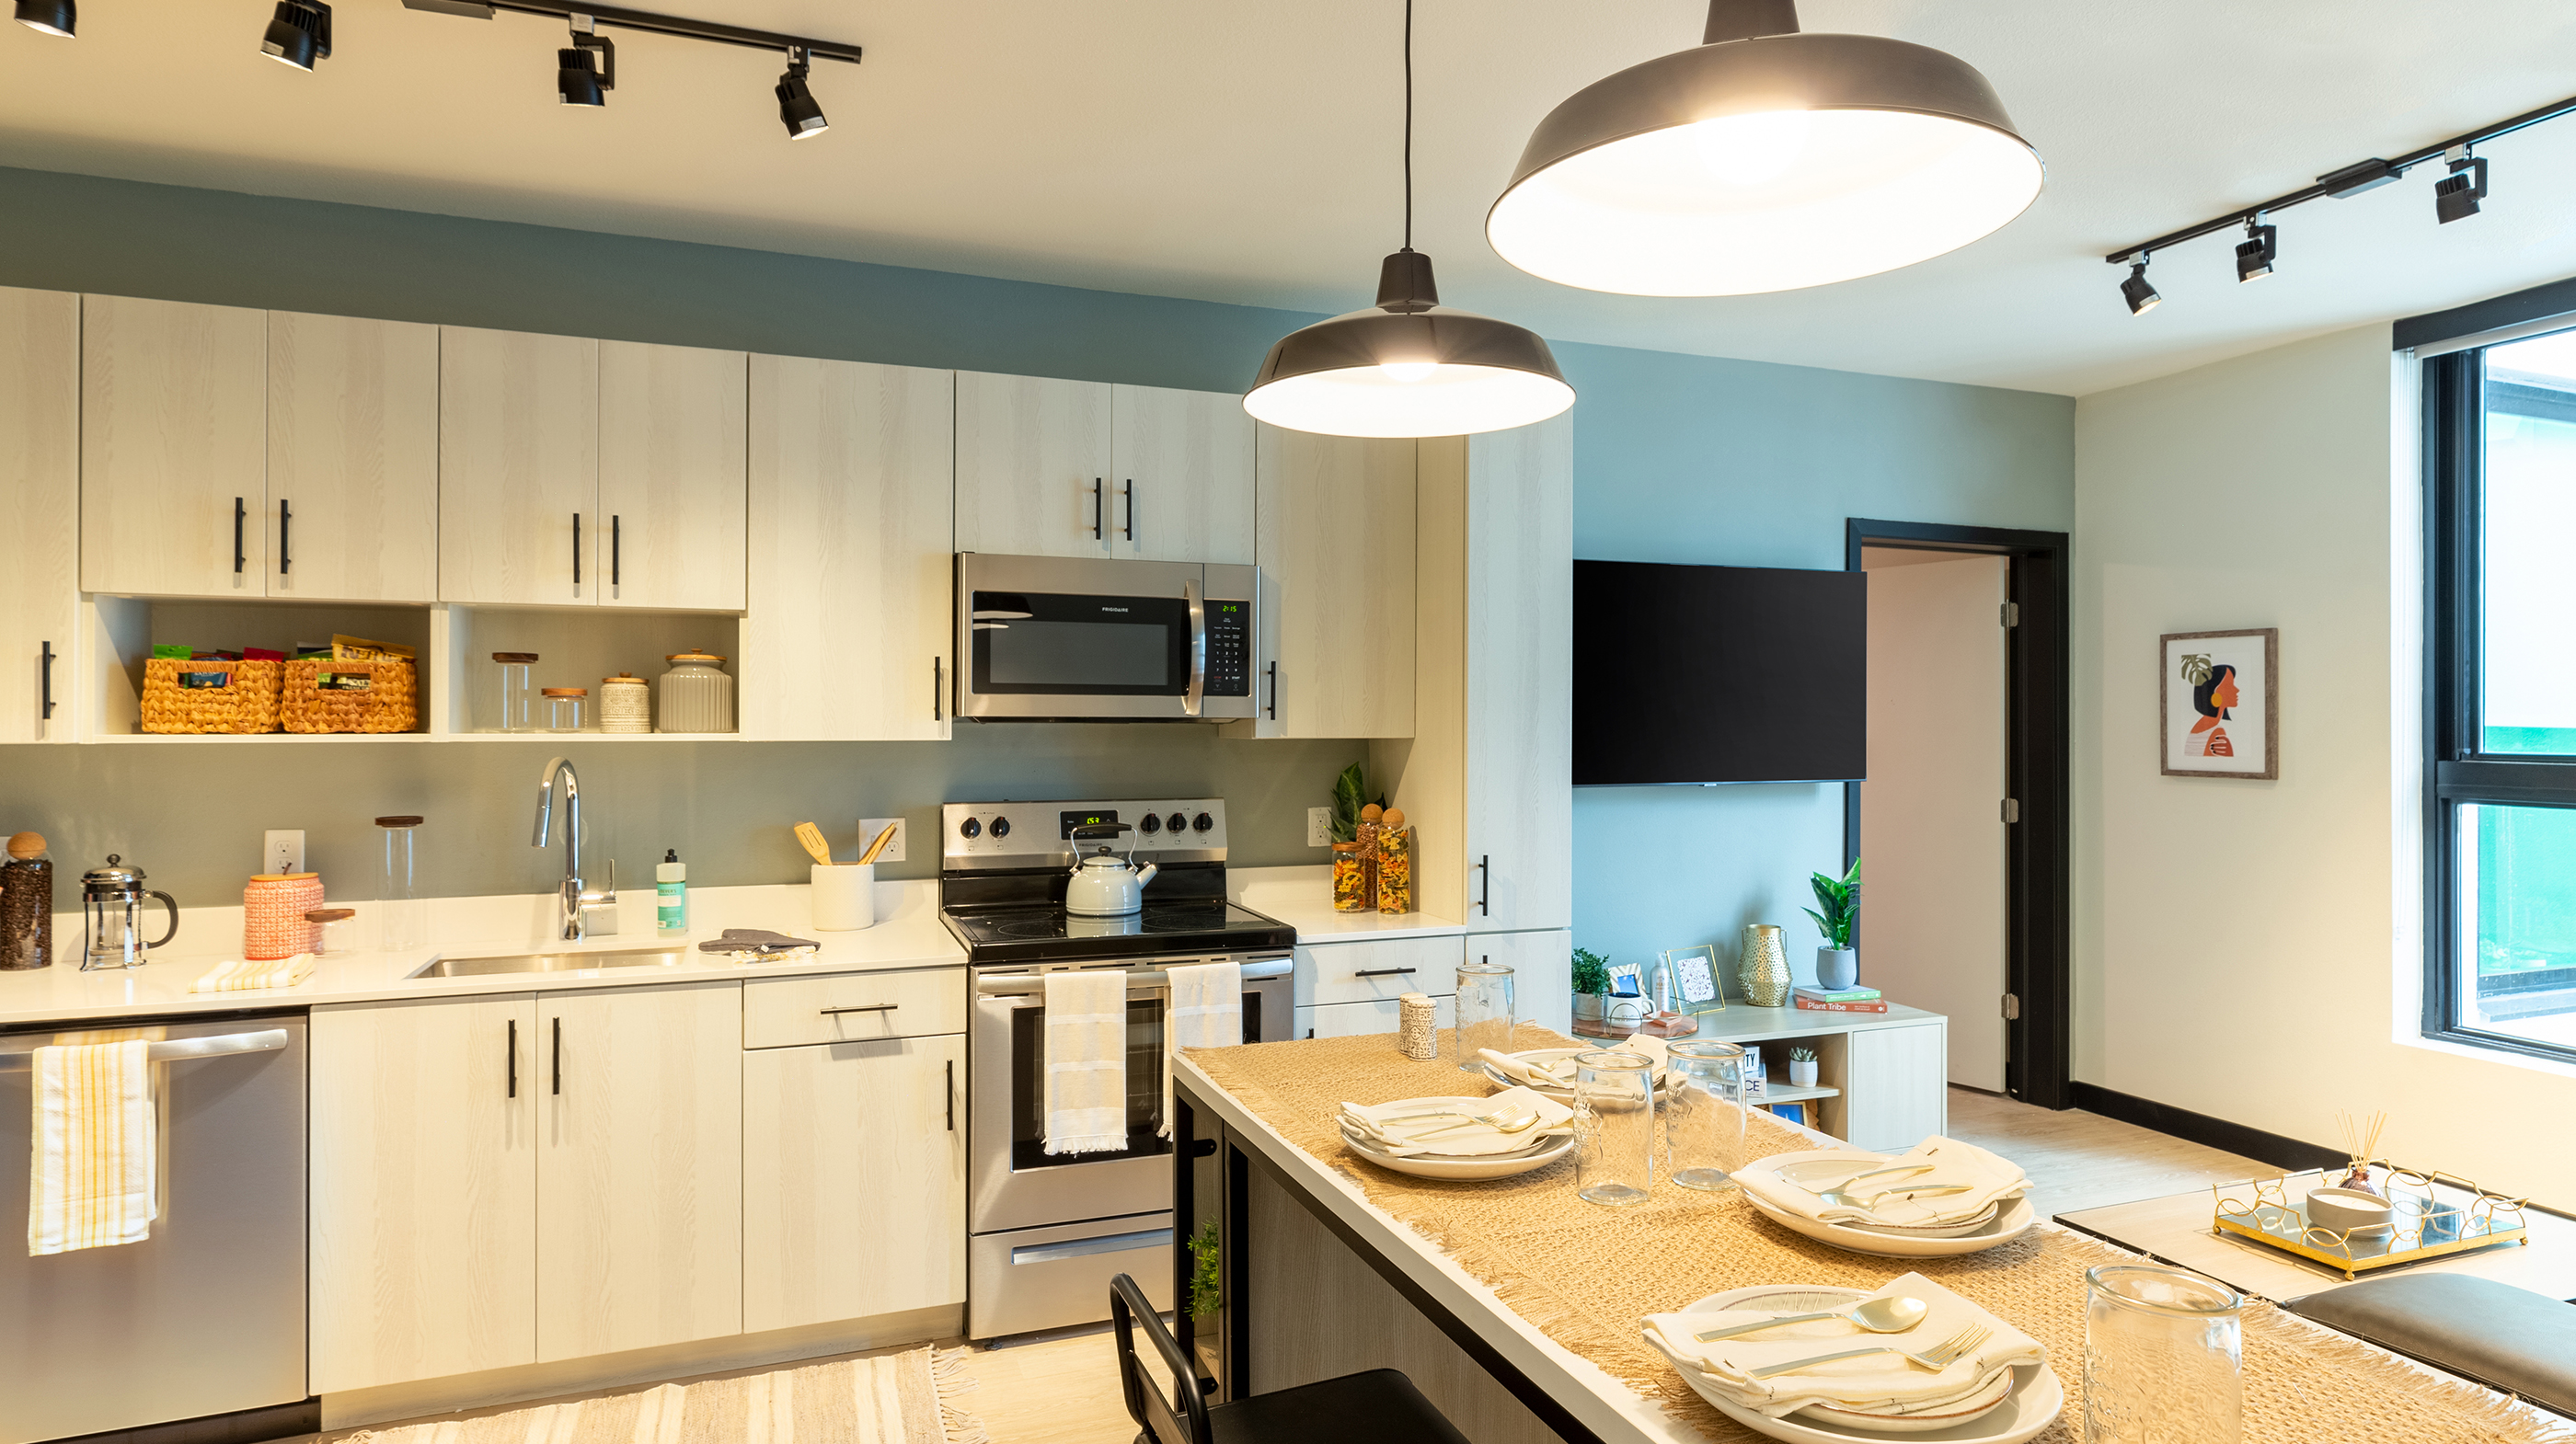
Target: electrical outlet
{"x":869,"y":827}
{"x":1319,"y":827}
{"x":282,"y":850}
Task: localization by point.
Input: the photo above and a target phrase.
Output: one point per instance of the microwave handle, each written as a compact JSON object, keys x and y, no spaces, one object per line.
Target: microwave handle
{"x":1191,"y":702}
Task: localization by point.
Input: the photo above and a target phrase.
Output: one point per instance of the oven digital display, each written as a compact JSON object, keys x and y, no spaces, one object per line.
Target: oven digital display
{"x":1073,"y":820}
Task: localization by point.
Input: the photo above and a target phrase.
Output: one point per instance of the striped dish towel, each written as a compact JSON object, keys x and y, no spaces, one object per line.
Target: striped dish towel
{"x":241,"y":973}
{"x":1086,"y":1061}
{"x":1206,"y":1012}
{"x":90,"y":1177}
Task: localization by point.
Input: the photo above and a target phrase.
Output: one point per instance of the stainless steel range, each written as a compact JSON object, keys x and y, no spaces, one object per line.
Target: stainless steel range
{"x":1047,"y":1232}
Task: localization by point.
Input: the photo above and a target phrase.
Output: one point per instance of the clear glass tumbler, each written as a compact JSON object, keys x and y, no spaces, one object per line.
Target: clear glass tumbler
{"x":1704,"y":1115}
{"x":401,"y":914}
{"x":1614,"y":1125}
{"x":2162,"y":1357}
{"x":1484,"y":1011}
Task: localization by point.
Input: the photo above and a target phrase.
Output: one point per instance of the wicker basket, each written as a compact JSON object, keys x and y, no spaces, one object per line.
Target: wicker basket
{"x":322,"y":695}
{"x":178,"y":698}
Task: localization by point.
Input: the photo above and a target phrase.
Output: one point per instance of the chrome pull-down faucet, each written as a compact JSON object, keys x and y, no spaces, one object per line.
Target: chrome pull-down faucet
{"x":576,"y":905}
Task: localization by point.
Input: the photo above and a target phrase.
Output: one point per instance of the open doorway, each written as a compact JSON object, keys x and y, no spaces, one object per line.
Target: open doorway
{"x":1963,"y":820}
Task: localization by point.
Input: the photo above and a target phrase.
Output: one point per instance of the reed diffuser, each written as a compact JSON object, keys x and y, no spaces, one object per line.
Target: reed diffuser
{"x":2361,"y":1141}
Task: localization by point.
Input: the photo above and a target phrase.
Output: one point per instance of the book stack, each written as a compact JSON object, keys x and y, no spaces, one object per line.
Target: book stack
{"x":1839,"y":1000}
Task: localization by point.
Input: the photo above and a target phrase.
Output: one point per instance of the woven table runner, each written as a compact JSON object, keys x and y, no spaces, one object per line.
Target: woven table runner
{"x":1543,"y":1252}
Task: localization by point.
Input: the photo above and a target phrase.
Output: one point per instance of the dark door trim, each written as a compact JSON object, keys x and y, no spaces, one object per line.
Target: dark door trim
{"x":2039,"y":930}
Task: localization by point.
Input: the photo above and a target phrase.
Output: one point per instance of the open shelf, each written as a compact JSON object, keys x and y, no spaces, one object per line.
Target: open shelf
{"x":122,"y":631}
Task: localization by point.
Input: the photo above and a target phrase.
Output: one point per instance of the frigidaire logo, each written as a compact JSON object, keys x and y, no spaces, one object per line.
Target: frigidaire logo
{"x":1113,"y":609}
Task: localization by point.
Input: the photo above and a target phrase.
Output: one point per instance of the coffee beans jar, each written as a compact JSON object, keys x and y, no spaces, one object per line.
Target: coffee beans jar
{"x":26,"y":905}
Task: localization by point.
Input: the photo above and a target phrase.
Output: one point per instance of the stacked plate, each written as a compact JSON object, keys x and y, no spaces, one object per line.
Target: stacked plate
{"x":1549,"y":1072}
{"x":1441,"y":1137}
{"x":1805,"y":1174}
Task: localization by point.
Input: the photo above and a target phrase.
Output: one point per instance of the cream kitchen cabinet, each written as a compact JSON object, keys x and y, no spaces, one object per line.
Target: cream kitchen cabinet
{"x":352,"y":488}
{"x":40,"y":346}
{"x":672,"y":436}
{"x":1344,"y":1020}
{"x":173,"y":458}
{"x":852,"y":542}
{"x":1182,"y":473}
{"x":1336,"y":524}
{"x":1049,"y":467}
{"x":518,"y":468}
{"x":1519,"y":684}
{"x":854,"y":1180}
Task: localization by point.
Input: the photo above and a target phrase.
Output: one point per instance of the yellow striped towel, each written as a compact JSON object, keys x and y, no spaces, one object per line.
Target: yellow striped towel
{"x":242,"y":973}
{"x":90,"y":1178}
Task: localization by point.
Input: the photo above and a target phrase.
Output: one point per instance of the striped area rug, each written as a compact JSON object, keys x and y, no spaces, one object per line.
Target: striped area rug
{"x":894,"y":1399}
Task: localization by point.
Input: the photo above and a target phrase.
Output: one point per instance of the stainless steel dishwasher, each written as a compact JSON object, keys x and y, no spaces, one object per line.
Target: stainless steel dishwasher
{"x":206,"y":1316}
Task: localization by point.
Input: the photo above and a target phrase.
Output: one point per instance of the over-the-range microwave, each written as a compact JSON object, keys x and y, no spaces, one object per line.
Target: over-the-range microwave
{"x":1092,"y":639}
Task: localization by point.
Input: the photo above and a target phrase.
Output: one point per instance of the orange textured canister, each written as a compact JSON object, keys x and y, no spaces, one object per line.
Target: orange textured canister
{"x":273,"y":909}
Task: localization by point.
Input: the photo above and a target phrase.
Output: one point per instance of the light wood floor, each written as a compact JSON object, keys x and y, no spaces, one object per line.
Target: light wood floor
{"x":1065,"y":1391}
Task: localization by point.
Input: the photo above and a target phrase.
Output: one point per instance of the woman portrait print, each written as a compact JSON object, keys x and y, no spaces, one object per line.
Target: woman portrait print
{"x":2213,"y":694}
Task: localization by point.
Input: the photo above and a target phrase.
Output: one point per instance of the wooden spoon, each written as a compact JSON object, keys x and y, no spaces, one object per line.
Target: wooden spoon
{"x":815,"y":847}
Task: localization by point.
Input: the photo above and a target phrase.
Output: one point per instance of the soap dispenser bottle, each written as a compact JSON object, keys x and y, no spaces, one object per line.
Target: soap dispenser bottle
{"x":671,"y":895}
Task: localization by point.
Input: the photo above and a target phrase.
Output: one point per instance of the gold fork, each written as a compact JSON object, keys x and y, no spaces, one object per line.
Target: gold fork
{"x":1936,"y":1358}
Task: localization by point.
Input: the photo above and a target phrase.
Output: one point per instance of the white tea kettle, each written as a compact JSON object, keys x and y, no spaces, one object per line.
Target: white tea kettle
{"x":1105,"y":885}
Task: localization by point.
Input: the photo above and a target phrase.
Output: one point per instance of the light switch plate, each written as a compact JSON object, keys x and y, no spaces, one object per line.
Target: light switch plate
{"x":1319,"y":827}
{"x":282,"y":850}
{"x":869,"y":827}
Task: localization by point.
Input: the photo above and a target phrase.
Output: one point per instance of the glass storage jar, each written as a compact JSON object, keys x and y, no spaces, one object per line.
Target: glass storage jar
{"x":1350,"y":879}
{"x":695,"y":695}
{"x":2163,"y":1357}
{"x":625,"y":704}
{"x":402,"y":915}
{"x":566,"y":708}
{"x":517,"y":690}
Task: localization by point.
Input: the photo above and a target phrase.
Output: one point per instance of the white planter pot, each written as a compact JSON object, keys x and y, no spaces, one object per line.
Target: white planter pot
{"x":1802,"y":1075}
{"x":1837,"y":968}
{"x":1587,"y":1005}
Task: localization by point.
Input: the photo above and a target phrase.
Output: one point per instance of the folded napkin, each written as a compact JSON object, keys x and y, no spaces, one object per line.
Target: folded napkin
{"x":1206,"y":1012}
{"x":241,"y":973}
{"x":1876,"y":1381}
{"x":1647,"y":1043}
{"x":1410,"y":1128}
{"x":90,"y":1172}
{"x":1086,"y":1061}
{"x":1988,"y":1180}
{"x":1524,"y":1070}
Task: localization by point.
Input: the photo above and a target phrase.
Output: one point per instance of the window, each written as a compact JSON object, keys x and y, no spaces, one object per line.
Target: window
{"x":2501,"y":800}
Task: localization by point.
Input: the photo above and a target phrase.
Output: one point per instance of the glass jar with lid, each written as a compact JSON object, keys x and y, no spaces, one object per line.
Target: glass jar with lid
{"x":518,"y":690}
{"x":695,"y":695}
{"x":566,"y":708}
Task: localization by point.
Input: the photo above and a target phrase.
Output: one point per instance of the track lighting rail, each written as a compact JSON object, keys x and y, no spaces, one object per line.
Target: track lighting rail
{"x":648,"y":22}
{"x":2351,"y":180}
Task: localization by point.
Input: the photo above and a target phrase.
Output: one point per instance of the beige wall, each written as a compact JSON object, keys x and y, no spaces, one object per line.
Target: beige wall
{"x":2245,"y":949}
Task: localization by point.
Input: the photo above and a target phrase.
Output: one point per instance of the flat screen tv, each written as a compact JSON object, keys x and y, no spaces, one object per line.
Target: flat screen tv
{"x":1705,"y":675}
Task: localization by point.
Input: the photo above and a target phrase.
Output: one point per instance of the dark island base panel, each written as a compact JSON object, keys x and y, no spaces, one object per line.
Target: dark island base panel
{"x":246,"y":1426}
{"x":1303,"y":1305}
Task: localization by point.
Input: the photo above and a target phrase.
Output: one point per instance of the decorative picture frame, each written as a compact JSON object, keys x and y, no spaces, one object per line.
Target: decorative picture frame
{"x":1699,"y":987}
{"x":2218,"y":704}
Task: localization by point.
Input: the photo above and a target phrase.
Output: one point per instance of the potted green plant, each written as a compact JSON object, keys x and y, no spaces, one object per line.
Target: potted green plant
{"x":1837,"y":912}
{"x":1591,"y":980}
{"x":1802,"y":1067}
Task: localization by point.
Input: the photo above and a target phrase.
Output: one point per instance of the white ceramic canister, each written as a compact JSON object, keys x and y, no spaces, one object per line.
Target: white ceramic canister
{"x":845,"y":897}
{"x":625,"y":704}
{"x":695,"y":695}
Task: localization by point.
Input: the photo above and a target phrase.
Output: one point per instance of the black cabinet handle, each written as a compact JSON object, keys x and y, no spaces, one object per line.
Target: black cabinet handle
{"x":558,"y":1055}
{"x":239,"y":556}
{"x":514,"y":1057}
{"x":1274,"y":691}
{"x":576,"y":549}
{"x":1095,"y":508}
{"x":49,"y":682}
{"x":938,"y":688}
{"x":1131,"y":509}
{"x":1380,"y":972}
{"x":1202,"y":1148}
{"x":950,"y":1065}
{"x":1485,"y":887}
{"x":616,"y":548}
{"x":285,"y":551}
{"x":863,"y":1008}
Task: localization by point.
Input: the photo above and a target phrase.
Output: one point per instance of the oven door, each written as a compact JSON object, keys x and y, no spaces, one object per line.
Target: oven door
{"x":1070,"y":638}
{"x":1013,"y":1181}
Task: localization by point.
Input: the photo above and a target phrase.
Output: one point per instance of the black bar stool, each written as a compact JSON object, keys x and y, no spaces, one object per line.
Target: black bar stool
{"x":1378,"y":1407}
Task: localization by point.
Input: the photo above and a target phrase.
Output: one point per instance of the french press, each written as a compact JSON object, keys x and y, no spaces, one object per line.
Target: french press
{"x":112,"y":916}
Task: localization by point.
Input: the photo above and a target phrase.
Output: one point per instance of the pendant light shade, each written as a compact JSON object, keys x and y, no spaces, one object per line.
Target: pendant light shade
{"x":1408,"y":366}
{"x":1764,"y":160}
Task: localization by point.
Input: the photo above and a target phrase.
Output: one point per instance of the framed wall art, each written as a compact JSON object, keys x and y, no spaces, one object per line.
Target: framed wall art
{"x":2219,"y":704}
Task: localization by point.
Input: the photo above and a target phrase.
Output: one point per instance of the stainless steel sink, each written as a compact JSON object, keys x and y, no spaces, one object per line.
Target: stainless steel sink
{"x":554,"y":962}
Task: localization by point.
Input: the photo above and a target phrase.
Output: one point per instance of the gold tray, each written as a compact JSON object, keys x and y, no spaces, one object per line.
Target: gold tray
{"x":2436,"y":1214}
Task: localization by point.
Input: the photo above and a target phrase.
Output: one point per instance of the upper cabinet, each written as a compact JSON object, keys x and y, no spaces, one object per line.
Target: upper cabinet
{"x":173,"y":448}
{"x":1182,"y":470}
{"x":352,"y":489}
{"x":852,"y":540}
{"x":1337,"y":532}
{"x":672,"y":433}
{"x":40,"y":494}
{"x":518,"y":468}
{"x":1086,"y":469}
{"x":1519,"y":682}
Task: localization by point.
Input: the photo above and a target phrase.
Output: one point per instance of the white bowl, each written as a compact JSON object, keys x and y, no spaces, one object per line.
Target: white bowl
{"x":2351,"y":1212}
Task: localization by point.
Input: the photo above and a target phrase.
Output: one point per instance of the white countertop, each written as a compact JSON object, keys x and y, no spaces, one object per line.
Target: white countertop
{"x":1302,"y":897}
{"x":908,"y":934}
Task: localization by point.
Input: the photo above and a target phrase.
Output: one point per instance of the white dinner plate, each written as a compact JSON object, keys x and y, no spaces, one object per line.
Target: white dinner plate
{"x":2037,"y":1398}
{"x":1564,"y":1094}
{"x":1463,"y":1169}
{"x":2015,"y":1218}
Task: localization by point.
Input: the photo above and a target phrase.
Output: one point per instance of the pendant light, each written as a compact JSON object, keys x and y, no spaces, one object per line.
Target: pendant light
{"x":1408,"y":366}
{"x":1764,"y":160}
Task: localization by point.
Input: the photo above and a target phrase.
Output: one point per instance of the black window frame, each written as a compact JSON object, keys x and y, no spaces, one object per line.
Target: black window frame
{"x":2456,"y":769}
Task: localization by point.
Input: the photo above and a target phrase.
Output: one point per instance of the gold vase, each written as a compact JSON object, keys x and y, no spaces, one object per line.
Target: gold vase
{"x":1764,"y":973}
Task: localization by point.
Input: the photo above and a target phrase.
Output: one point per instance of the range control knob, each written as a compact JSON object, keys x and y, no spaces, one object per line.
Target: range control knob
{"x":971,"y":828}
{"x":1176,"y":822}
{"x":1001,"y":827}
{"x":1203,"y":823}
{"x":1151,"y":824}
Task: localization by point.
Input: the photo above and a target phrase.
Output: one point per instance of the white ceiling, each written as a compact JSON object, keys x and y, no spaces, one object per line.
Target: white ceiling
{"x":1247,"y":153}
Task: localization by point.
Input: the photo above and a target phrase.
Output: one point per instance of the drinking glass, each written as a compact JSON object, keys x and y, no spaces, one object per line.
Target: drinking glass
{"x":1704,"y":1115}
{"x":402,"y":919}
{"x":2162,"y":1355}
{"x":1484,"y":1011}
{"x":1614,"y":1124}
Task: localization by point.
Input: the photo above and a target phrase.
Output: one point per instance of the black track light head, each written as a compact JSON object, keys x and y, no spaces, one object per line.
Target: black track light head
{"x":49,"y":17}
{"x":298,"y":34}
{"x":586,"y":70}
{"x":2456,"y":196}
{"x":796,"y":108}
{"x":2140,"y":295}
{"x":2256,"y":253}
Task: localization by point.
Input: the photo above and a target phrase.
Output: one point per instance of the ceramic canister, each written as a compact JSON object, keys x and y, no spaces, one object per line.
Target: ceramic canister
{"x":625,"y":704}
{"x":695,"y":695}
{"x":273,"y":909}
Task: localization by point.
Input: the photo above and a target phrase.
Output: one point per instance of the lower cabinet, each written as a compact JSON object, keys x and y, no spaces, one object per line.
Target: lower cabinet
{"x":854,"y":1182}
{"x":1341,"y":1020}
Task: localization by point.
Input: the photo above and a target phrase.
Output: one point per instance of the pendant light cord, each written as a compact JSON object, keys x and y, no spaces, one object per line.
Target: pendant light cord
{"x":1408,"y":124}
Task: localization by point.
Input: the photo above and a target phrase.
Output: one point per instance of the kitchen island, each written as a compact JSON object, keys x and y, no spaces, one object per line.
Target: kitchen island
{"x":1514,"y":1306}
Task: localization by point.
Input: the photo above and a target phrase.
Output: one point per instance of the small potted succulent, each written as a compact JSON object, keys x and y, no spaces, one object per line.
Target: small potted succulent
{"x":1591,"y":980}
{"x":1802,"y":1067}
{"x":1837,"y":962}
